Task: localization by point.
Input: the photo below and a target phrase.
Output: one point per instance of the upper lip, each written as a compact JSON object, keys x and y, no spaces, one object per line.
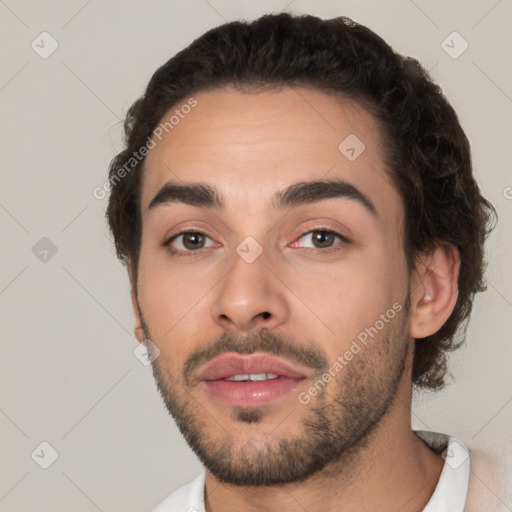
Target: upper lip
{"x":236,"y":364}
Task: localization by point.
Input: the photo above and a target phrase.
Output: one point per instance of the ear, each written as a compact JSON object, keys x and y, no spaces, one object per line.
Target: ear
{"x":138,"y":329}
{"x":434,"y":290}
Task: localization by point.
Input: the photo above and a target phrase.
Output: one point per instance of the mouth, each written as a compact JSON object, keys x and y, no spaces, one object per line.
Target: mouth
{"x":250,"y":380}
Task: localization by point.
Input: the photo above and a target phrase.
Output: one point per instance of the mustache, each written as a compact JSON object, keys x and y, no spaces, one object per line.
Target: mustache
{"x":264,"y":340}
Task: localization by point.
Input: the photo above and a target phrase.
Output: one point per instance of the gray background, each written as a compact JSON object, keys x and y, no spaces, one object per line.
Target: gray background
{"x":69,"y":375}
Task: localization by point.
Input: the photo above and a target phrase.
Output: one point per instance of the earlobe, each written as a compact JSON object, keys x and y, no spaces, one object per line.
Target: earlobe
{"x":434,"y":290}
{"x":138,"y":328}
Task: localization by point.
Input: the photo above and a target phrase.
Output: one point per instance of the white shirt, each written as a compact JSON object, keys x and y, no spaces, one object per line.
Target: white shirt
{"x":449,"y":494}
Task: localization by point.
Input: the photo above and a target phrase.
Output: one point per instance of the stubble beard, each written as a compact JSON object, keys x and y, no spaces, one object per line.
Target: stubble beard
{"x":335,"y":427}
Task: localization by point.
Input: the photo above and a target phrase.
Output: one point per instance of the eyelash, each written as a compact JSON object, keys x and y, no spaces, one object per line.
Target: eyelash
{"x":180,"y":253}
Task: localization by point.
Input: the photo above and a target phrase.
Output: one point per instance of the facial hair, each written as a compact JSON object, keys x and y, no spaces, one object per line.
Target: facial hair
{"x":335,"y":425}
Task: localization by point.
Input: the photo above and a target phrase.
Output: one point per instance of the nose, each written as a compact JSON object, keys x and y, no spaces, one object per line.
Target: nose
{"x":251,"y":296}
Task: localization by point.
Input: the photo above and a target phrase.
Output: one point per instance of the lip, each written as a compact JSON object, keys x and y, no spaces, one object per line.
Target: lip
{"x":249,"y":393}
{"x":237,"y":364}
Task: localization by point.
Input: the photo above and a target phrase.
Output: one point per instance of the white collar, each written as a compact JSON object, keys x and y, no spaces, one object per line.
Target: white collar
{"x":452,"y":488}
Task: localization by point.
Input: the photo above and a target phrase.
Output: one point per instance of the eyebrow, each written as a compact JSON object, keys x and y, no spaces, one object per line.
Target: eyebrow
{"x":301,"y":193}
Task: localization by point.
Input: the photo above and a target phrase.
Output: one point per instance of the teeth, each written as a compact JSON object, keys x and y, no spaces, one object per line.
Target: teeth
{"x":258,"y":376}
{"x":238,"y":377}
{"x":253,"y":376}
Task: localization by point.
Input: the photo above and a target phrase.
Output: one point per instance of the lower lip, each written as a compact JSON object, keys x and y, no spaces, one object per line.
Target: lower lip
{"x":250,"y":393}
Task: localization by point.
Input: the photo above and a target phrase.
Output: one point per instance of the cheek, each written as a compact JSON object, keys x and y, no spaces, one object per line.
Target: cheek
{"x":174,"y":315}
{"x":173,"y":303}
{"x":351,"y":297}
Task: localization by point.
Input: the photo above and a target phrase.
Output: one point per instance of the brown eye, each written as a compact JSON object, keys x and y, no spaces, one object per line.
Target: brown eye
{"x":323,"y":239}
{"x":187,"y":242}
{"x":320,"y":239}
{"x":193,"y":240}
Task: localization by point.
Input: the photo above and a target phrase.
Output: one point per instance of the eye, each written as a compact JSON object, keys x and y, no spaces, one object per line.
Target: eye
{"x":187,"y":242}
{"x":321,"y":238}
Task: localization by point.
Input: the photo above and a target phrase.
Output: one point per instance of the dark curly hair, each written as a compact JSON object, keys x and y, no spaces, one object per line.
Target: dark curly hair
{"x":428,"y":160}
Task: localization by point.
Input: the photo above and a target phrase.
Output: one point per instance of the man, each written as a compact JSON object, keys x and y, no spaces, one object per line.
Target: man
{"x":304,"y":237}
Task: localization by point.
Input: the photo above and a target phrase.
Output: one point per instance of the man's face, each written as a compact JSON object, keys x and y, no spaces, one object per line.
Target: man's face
{"x":299,"y":283}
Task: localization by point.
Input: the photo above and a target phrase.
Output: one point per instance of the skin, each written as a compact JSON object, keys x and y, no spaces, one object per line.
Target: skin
{"x":249,"y":146}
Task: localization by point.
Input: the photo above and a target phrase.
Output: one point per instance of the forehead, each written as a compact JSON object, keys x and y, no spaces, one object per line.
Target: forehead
{"x":250,"y":145}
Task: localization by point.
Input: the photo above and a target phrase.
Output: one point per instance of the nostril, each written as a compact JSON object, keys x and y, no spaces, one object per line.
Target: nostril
{"x":265,"y":315}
